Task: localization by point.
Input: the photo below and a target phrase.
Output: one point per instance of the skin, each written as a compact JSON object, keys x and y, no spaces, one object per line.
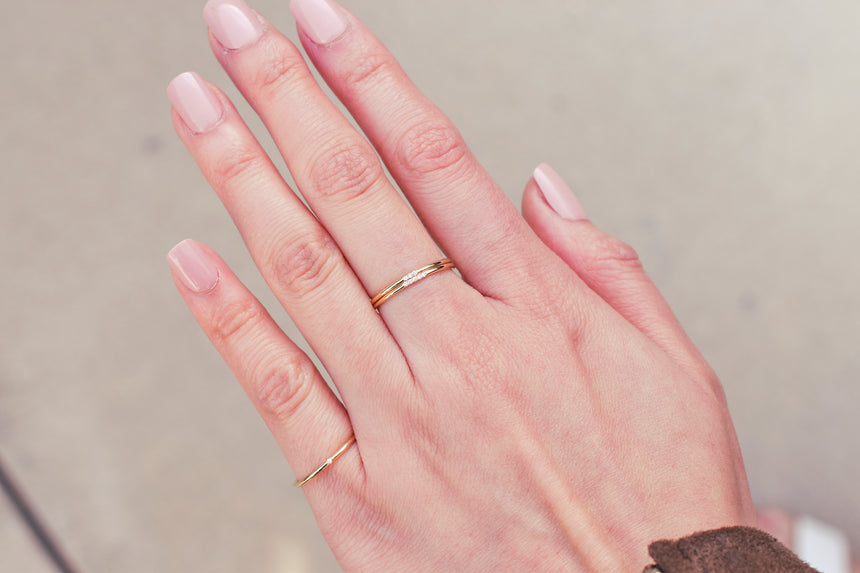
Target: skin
{"x":544,"y":410}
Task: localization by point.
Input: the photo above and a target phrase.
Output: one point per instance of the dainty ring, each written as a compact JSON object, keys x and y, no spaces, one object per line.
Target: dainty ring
{"x":410,"y":279}
{"x":326,"y":463}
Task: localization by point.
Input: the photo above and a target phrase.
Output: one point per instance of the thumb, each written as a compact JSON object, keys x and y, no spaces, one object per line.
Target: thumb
{"x":610,"y":267}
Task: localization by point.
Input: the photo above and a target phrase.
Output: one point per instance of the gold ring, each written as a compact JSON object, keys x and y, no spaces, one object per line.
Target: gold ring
{"x":410,"y":279}
{"x":326,"y":463}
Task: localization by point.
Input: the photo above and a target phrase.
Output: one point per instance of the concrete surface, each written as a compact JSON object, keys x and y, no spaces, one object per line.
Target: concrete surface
{"x":18,"y":549}
{"x":720,"y":139}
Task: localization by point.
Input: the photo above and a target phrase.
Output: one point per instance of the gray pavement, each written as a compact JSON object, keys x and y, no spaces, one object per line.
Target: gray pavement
{"x":720,"y":139}
{"x":18,"y":549}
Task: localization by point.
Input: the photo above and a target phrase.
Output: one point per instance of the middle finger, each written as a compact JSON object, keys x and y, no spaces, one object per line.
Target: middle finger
{"x":334,"y":166}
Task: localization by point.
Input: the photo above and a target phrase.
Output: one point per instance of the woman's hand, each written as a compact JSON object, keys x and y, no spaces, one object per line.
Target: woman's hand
{"x":543,"y":411}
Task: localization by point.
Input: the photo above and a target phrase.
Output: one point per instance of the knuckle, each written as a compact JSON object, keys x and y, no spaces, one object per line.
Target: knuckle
{"x":240,"y":164}
{"x":481,"y":357}
{"x":234,"y":320}
{"x":278,"y":70}
{"x":430,"y":147}
{"x":609,"y":254}
{"x":307,"y":263}
{"x":348,"y":169}
{"x":282,"y":388}
{"x":367,"y":70}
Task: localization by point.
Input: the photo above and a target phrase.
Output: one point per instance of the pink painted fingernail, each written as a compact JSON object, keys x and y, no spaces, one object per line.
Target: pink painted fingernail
{"x":232,"y":23}
{"x":557,"y":193}
{"x":195,"y":102}
{"x":194,"y":266}
{"x":321,"y":20}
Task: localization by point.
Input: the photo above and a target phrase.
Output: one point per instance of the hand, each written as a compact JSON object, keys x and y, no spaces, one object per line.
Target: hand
{"x":545,"y":411}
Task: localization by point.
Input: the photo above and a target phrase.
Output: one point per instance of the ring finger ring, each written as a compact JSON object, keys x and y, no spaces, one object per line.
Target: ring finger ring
{"x":410,"y":279}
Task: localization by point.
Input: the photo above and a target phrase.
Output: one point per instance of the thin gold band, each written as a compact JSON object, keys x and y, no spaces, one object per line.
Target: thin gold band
{"x":326,"y":463}
{"x":410,"y":279}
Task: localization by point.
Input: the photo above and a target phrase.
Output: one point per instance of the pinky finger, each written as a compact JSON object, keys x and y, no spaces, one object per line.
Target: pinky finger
{"x":307,"y":420}
{"x":608,"y":266}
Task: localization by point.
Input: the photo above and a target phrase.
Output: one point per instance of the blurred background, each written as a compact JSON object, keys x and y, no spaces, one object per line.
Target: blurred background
{"x":720,"y":139}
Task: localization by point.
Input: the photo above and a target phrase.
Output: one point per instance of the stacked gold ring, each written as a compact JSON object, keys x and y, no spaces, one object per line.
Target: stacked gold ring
{"x":410,"y":279}
{"x":406,"y":281}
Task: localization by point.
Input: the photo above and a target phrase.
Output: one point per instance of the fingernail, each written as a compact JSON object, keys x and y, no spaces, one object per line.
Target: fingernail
{"x":232,"y":23}
{"x":194,"y":266}
{"x":195,"y":102}
{"x":557,"y":193}
{"x":319,"y":19}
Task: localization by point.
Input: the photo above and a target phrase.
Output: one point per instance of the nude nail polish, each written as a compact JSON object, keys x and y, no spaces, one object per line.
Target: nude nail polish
{"x":321,"y":20}
{"x":557,"y":194}
{"x":232,"y":23}
{"x":195,"y":102}
{"x":194,"y":266}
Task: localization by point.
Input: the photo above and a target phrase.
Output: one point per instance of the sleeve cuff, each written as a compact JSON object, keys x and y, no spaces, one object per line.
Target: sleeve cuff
{"x":731,"y":549}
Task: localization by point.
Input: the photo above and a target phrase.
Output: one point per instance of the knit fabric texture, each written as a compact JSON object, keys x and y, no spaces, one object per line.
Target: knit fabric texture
{"x":731,"y":549}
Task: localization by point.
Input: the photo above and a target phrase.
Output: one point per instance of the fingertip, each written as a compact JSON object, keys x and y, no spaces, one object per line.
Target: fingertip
{"x":195,"y":266}
{"x":321,"y":20}
{"x":555,"y":230}
{"x":531,"y":196}
{"x":558,"y":194}
{"x":195,"y":101}
{"x":232,"y":23}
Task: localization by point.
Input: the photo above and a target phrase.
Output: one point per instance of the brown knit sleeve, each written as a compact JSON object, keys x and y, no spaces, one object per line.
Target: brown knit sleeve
{"x":731,"y":549}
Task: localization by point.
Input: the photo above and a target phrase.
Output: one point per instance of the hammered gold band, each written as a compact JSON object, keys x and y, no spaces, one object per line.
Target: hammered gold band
{"x":326,"y":463}
{"x":410,"y":279}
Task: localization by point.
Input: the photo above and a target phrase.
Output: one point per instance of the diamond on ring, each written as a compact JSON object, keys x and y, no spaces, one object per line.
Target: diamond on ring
{"x":410,"y":279}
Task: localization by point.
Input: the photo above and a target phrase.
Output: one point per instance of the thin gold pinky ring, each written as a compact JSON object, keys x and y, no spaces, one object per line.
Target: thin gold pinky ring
{"x":326,"y":463}
{"x":410,"y":279}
